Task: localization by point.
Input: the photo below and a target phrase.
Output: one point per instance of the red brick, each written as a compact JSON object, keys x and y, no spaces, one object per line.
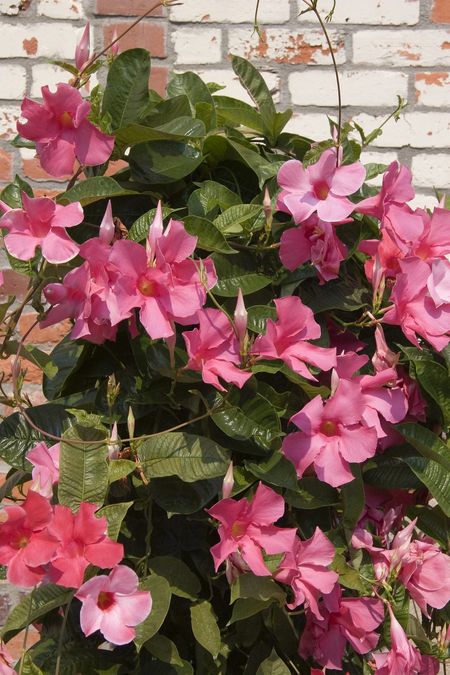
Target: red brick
{"x":33,"y":373}
{"x":5,"y":166}
{"x":52,"y":334}
{"x":15,"y":645}
{"x":159,"y":78}
{"x":46,"y":192}
{"x":441,"y":11}
{"x":32,"y":169}
{"x":126,"y":8}
{"x":147,"y":35}
{"x":13,"y":284}
{"x":114,"y":167}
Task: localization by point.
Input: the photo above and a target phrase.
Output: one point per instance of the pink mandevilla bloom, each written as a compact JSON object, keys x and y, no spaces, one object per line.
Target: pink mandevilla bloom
{"x":162,"y":282}
{"x":246,"y":529}
{"x":26,"y":544}
{"x":82,"y":540}
{"x":396,"y":189}
{"x":315,"y":241}
{"x":62,"y":131}
{"x":42,"y":223}
{"x":214,"y":349}
{"x":342,"y":620}
{"x":45,"y":472}
{"x":403,"y":657}
{"x":322,"y":187}
{"x":113,"y":605}
{"x":332,"y":435}
{"x":286,"y":339}
{"x":6,"y":662}
{"x":305,"y":569}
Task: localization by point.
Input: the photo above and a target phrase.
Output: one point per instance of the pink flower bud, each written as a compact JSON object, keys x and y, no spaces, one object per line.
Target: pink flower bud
{"x":114,"y":50}
{"x":228,"y":482}
{"x":155,"y":231}
{"x":113,"y":445}
{"x":383,"y":358}
{"x":83,"y":48}
{"x":240,"y":318}
{"x":55,"y":293}
{"x":106,"y":233}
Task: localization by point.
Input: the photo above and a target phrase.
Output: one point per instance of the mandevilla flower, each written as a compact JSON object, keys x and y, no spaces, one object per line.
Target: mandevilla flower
{"x":113,"y":605}
{"x":62,"y":131}
{"x":42,"y":223}
{"x":396,"y":189}
{"x":322,"y":187}
{"x":286,"y":339}
{"x":343,"y":620}
{"x":246,"y":528}
{"x":332,"y":435}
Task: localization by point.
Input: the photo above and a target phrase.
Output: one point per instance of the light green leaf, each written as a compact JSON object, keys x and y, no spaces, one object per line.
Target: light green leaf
{"x":119,"y":468}
{"x":176,"y":130}
{"x":237,"y":113}
{"x":114,"y":514}
{"x":139,"y":229}
{"x":161,"y":596}
{"x":259,"y":588}
{"x":232,"y":220}
{"x":209,"y":237}
{"x":273,"y":665}
{"x":34,"y":605}
{"x":93,"y":190}
{"x":237,"y":272}
{"x":243,"y":608}
{"x":205,"y":628}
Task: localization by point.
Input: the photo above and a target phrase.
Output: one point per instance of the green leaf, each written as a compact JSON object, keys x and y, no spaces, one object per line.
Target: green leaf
{"x":373,"y":170}
{"x":348,"y":576}
{"x":392,"y":475}
{"x":178,"y":575}
{"x":435,"y":477}
{"x":93,"y":190}
{"x":83,"y":470}
{"x":12,"y":193}
{"x":209,"y":237}
{"x":187,"y":456}
{"x":235,"y":218}
{"x":237,"y":272}
{"x":259,"y":588}
{"x":176,"y":130}
{"x":64,"y":360}
{"x":28,"y":667}
{"x":434,"y":379}
{"x":192,"y":86}
{"x":258,"y":315}
{"x":163,"y":162}
{"x":237,"y":113}
{"x":126,"y":91}
{"x":205,"y":628}
{"x":209,"y":196}
{"x":166,"y":651}
{"x":311,"y":493}
{"x":243,"y":608}
{"x":353,"y":499}
{"x":33,"y":606}
{"x":114,"y":514}
{"x":433,"y":522}
{"x":273,"y":665}
{"x":251,"y":157}
{"x":120,"y":468}
{"x":17,"y":437}
{"x":276,"y":470}
{"x":161,"y":596}
{"x":253,"y":418}
{"x":335,"y":294}
{"x":177,"y":497}
{"x":139,"y":229}
{"x":426,"y":442}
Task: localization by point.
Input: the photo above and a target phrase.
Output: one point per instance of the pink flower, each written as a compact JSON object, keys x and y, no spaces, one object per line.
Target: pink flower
{"x":414,"y":309}
{"x":396,"y":189}
{"x":314,"y":241}
{"x":285,"y":339}
{"x":6,"y":662}
{"x":425,"y":572}
{"x":418,"y":234}
{"x":83,"y":48}
{"x":45,"y":468}
{"x":305,"y":569}
{"x":161,"y":281}
{"x":332,"y":435}
{"x":246,"y":529}
{"x":403,"y":657}
{"x":113,"y":605}
{"x":352,"y":620}
{"x":25,"y":541}
{"x":42,"y":223}
{"x":82,"y":540}
{"x":322,"y":187}
{"x":62,"y":131}
{"x":438,"y":283}
{"x":214,"y":349}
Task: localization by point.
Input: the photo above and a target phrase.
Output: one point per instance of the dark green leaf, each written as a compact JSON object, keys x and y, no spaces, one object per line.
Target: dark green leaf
{"x":119,"y":468}
{"x":172,"y":131}
{"x":161,"y":596}
{"x":426,"y":442}
{"x":237,"y":272}
{"x":243,"y":608}
{"x":166,"y":651}
{"x":92,"y":190}
{"x":64,"y":360}
{"x":273,"y":666}
{"x":258,"y":315}
{"x":126,"y":92}
{"x":176,"y":496}
{"x":209,"y":237}
{"x":435,"y":477}
{"x":163,"y":162}
{"x":192,"y":86}
{"x":353,"y":499}
{"x":311,"y":493}
{"x":253,"y":418}
{"x":139,"y":229}
{"x":178,"y":575}
{"x":237,"y":113}
{"x":259,"y":588}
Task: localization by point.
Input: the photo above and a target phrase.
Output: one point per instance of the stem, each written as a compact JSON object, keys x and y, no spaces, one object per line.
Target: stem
{"x":25,"y":637}
{"x":313,"y":8}
{"x":73,"y":180}
{"x":255,"y":20}
{"x":61,"y":636}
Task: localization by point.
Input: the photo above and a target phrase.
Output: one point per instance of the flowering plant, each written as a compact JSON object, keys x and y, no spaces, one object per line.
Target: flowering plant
{"x":242,"y":464}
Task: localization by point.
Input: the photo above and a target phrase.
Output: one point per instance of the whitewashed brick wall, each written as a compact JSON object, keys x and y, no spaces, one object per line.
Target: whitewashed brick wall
{"x":384,"y":48}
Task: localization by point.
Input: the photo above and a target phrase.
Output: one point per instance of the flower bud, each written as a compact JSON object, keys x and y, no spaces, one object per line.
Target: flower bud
{"x":106,"y":232}
{"x":228,"y":482}
{"x":83,"y":48}
{"x":130,"y":423}
{"x":114,"y":444}
{"x":240,"y":318}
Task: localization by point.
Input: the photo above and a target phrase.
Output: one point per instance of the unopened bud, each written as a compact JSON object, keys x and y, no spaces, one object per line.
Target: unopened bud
{"x":112,"y":390}
{"x":107,"y":228}
{"x":240,"y":318}
{"x":114,"y":444}
{"x":114,"y":50}
{"x":130,"y":423}
{"x":83,"y":48}
{"x":268,"y":212}
{"x":228,"y":482}
{"x":55,"y":293}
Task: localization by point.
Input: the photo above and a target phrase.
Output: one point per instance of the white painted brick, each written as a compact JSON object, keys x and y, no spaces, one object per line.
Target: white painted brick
{"x":8,"y":118}
{"x":45,"y":73}
{"x":374,"y":12}
{"x":433,"y":89}
{"x":9,"y":7}
{"x":417,"y":129}
{"x":422,"y":201}
{"x":14,"y":80}
{"x":49,"y":40}
{"x":359,"y":87}
{"x":284,"y":45}
{"x":431,"y":170}
{"x":402,"y":47}
{"x":233,"y":87}
{"x":369,"y":157}
{"x":231,"y":11}
{"x":311,"y":125}
{"x":197,"y":45}
{"x":61,"y":9}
